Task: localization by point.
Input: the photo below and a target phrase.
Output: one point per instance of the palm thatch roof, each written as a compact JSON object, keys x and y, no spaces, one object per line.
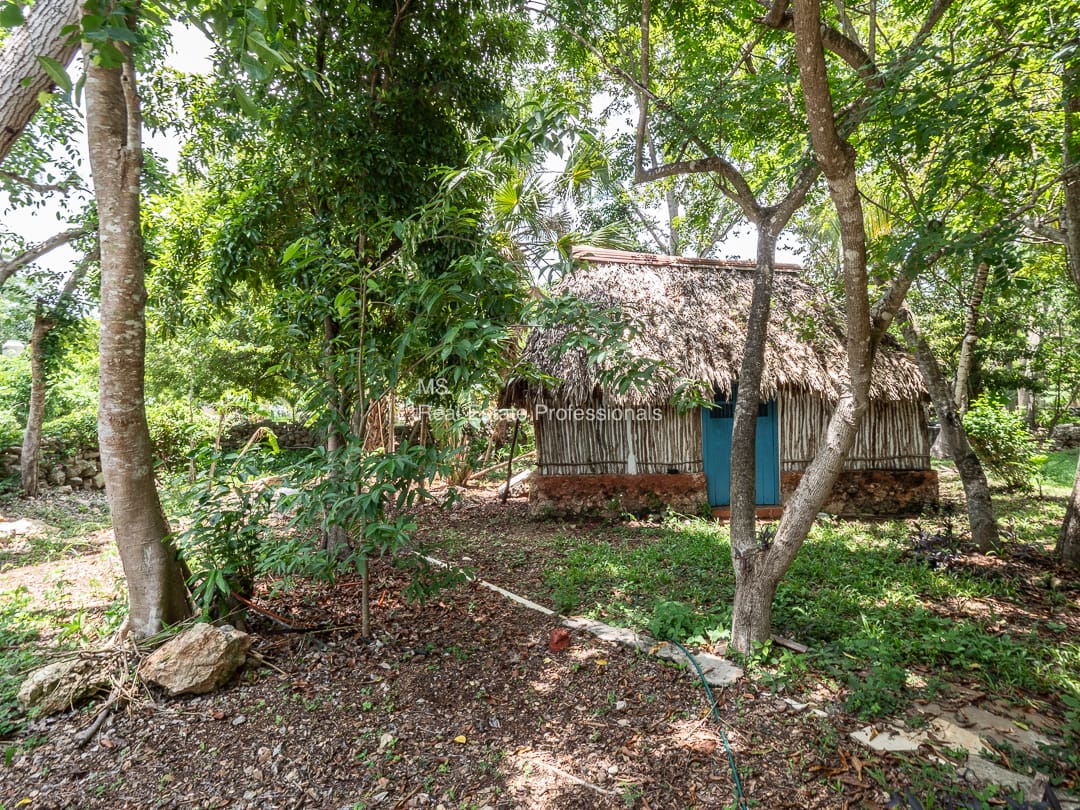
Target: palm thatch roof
{"x":691,"y":314}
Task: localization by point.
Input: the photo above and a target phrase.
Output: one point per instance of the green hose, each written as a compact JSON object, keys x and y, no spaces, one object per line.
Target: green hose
{"x":740,"y":798}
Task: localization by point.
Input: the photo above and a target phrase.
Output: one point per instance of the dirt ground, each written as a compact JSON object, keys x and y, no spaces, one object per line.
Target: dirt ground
{"x":456,"y":703}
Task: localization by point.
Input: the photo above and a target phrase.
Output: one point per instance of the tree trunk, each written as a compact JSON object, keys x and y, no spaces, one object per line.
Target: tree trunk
{"x":31,"y":447}
{"x":984,"y":531}
{"x":41,"y":35}
{"x":1068,"y":545}
{"x":752,"y":611}
{"x":335,"y":537}
{"x":760,"y":569}
{"x":967,"y":345}
{"x":157,"y":595}
{"x":31,"y":444}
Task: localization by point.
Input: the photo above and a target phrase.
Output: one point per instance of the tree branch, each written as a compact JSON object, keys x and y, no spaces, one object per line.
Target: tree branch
{"x":73,"y":281}
{"x":777,"y":11}
{"x":835,"y":42}
{"x":47,"y":32}
{"x":10,"y":266}
{"x":734,"y":186}
{"x":937,"y":11}
{"x":42,"y":188}
{"x":1055,"y":235}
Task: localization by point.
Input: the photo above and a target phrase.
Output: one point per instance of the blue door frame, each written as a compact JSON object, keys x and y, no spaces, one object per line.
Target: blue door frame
{"x":716,"y":425}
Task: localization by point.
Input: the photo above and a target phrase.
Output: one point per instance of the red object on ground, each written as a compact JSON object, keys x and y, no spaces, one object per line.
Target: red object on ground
{"x":559,"y":639}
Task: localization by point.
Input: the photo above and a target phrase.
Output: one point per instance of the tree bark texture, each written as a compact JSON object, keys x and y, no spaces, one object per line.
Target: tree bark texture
{"x":971,"y":336}
{"x":39,"y":36}
{"x":1068,"y":545}
{"x":980,"y":508}
{"x":759,"y":573}
{"x":157,"y":594}
{"x":31,"y":444}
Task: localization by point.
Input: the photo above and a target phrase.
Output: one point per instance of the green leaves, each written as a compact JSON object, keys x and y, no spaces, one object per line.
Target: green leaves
{"x":1003,"y":441}
{"x":57,"y":72}
{"x":106,"y":28}
{"x":11,"y":15}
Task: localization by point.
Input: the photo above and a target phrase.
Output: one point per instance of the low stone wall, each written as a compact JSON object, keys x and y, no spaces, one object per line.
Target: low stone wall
{"x":289,"y":434}
{"x":1065,"y":437}
{"x":81,"y":471}
{"x":857,"y":493}
{"x":874,"y":492}
{"x":560,"y":495}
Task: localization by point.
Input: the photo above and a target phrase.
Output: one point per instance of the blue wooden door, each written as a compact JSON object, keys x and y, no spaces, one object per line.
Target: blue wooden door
{"x":716,"y":451}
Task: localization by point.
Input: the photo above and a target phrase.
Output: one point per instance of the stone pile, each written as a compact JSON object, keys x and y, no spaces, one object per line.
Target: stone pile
{"x":1066,"y":437}
{"x":289,"y":434}
{"x":80,"y":471}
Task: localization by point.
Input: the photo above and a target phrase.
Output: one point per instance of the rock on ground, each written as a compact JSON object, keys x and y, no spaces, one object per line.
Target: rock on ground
{"x":59,"y":686}
{"x":199,"y":660}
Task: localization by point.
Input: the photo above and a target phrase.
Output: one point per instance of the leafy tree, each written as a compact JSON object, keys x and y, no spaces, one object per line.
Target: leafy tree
{"x":722,"y":95}
{"x":1003,"y":441}
{"x":328,"y":212}
{"x":45,"y":322}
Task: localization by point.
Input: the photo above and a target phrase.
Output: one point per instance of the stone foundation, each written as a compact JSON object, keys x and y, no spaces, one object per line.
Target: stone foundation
{"x":857,"y":493}
{"x":561,"y":495}
{"x":874,"y":493}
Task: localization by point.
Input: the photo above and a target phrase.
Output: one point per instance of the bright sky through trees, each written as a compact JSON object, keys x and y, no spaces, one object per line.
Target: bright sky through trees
{"x":190,"y":54}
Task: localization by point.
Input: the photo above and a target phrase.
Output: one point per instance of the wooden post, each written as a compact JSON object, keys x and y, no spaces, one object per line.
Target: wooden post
{"x":510,"y":461}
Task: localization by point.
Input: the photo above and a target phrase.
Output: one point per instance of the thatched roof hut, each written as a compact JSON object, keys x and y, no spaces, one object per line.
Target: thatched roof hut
{"x":691,"y":314}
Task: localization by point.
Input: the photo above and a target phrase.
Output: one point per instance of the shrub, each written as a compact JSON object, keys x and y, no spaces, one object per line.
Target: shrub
{"x":15,"y":388}
{"x":174,"y":434}
{"x":10,"y":429}
{"x":76,"y":431}
{"x":675,"y":620}
{"x":171,"y":432}
{"x":1002,"y":440}
{"x":229,"y":528}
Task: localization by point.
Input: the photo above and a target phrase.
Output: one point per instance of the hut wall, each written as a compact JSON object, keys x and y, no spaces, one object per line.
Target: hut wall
{"x":893,"y":435}
{"x":570,"y":443}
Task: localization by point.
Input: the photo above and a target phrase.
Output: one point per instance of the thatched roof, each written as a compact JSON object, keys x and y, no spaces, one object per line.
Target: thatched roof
{"x":691,"y":314}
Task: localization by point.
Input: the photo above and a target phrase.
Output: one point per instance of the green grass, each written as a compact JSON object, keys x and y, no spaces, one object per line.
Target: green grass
{"x":884,"y":624}
{"x":20,"y":630}
{"x":68,"y":525}
{"x":1060,"y":468}
{"x":31,"y":632}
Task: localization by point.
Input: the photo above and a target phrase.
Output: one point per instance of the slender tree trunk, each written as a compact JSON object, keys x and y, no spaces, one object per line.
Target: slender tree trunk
{"x":335,"y":537}
{"x":31,"y":447}
{"x":1068,"y":545}
{"x":967,"y":345}
{"x":984,"y":531}
{"x":31,"y":444}
{"x":752,"y":611}
{"x":157,"y":594}
{"x":42,"y":35}
{"x":764,"y":565}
